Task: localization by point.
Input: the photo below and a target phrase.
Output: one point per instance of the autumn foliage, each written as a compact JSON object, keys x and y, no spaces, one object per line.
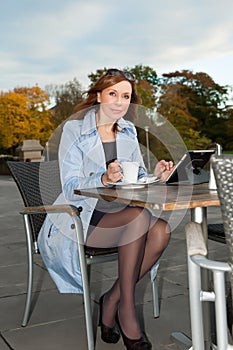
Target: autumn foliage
{"x":24,"y":114}
{"x":200,"y":109}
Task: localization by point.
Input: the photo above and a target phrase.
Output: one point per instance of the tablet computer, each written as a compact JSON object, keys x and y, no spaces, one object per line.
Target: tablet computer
{"x":190,"y":168}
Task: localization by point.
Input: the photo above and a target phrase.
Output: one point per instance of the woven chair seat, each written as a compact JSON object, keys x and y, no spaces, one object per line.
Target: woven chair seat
{"x":216,"y":233}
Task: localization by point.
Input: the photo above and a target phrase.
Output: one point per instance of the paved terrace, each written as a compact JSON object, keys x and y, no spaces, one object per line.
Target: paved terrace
{"x":57,"y":321}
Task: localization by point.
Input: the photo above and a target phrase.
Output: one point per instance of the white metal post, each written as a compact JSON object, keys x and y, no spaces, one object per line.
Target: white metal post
{"x":147,"y":147}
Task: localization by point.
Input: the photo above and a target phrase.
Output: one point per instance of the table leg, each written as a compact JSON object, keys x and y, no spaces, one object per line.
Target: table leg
{"x":198,"y":215}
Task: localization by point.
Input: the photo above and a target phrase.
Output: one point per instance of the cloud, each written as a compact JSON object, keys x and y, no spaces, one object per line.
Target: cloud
{"x":50,"y":33}
{"x":54,"y":41}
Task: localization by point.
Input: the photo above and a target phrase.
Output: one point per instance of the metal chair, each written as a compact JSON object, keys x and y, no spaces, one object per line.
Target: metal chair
{"x":34,"y":179}
{"x":197,"y":260}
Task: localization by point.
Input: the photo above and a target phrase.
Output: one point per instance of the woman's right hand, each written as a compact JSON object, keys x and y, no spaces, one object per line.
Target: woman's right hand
{"x":112,"y":174}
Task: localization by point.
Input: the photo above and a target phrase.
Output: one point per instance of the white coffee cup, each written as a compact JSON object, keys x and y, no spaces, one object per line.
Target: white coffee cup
{"x":130,"y":171}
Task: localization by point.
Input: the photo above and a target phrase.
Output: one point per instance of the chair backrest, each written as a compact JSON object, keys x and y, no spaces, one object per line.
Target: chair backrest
{"x":223,"y":170}
{"x":39,"y":184}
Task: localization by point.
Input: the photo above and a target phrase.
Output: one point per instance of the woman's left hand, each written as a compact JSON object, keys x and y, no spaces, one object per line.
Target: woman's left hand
{"x":163,"y":169}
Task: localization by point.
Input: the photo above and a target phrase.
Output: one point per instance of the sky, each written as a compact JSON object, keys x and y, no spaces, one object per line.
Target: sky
{"x":54,"y":41}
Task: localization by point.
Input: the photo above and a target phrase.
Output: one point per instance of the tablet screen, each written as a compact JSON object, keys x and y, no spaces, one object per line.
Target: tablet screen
{"x":190,"y":165}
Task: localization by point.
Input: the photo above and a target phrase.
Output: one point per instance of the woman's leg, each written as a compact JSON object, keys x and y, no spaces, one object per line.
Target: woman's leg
{"x":157,"y":241}
{"x":130,"y":258}
{"x":136,"y":257}
{"x":131,"y":226}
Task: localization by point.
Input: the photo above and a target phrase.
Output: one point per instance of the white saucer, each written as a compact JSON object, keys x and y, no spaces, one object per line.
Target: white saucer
{"x":143,"y":182}
{"x":149,"y":180}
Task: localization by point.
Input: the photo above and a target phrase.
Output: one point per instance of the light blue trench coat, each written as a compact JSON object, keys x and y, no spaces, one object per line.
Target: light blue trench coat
{"x":82,"y":163}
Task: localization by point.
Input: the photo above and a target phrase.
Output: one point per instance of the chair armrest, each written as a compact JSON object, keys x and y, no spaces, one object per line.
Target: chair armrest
{"x":194,"y":238}
{"x":69,"y":209}
{"x":197,"y":250}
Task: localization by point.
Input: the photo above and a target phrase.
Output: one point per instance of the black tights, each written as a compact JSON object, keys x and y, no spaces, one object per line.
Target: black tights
{"x":141,"y":239}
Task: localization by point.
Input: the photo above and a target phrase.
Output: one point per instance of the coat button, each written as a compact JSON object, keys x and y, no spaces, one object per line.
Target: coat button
{"x":91,"y":174}
{"x":72,"y":226}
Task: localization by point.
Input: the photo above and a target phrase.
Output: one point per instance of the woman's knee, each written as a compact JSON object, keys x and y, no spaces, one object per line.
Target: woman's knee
{"x":161,"y":231}
{"x":137,"y":224}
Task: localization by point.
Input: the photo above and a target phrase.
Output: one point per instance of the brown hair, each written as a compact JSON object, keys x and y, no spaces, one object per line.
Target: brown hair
{"x":106,"y":80}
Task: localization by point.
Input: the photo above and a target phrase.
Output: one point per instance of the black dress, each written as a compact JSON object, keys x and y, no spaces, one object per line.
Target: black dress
{"x":103,"y":207}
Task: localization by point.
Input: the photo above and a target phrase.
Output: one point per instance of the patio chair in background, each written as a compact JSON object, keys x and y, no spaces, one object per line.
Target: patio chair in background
{"x":197,"y":260}
{"x":215,"y":230}
{"x":34,"y":179}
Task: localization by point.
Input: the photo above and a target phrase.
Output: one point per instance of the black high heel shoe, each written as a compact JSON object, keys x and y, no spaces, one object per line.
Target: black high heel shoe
{"x":134,"y":344}
{"x":108,"y":335}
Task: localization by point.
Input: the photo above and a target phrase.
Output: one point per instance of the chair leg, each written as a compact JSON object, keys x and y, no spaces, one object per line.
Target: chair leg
{"x":87,"y":305}
{"x":194,"y":274}
{"x":155,"y":296}
{"x":154,"y":285}
{"x":86,"y":288}
{"x":220,"y":309}
{"x":30,"y":273}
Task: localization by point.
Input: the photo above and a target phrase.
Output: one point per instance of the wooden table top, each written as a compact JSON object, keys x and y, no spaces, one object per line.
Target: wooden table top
{"x":157,"y":196}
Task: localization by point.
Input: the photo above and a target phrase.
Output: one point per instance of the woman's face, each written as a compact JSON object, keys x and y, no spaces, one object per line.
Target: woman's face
{"x":114,"y":101}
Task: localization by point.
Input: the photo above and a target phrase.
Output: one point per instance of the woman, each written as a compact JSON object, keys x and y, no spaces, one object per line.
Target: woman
{"x":94,"y":142}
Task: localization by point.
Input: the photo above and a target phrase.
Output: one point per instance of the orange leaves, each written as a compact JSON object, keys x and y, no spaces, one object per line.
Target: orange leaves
{"x":24,"y":115}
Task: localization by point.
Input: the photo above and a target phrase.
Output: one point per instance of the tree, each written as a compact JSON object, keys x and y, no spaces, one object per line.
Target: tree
{"x":66,"y":97}
{"x":95,"y":76}
{"x":147,"y":84}
{"x":228,"y":130}
{"x":193,"y":102}
{"x":24,"y":115}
